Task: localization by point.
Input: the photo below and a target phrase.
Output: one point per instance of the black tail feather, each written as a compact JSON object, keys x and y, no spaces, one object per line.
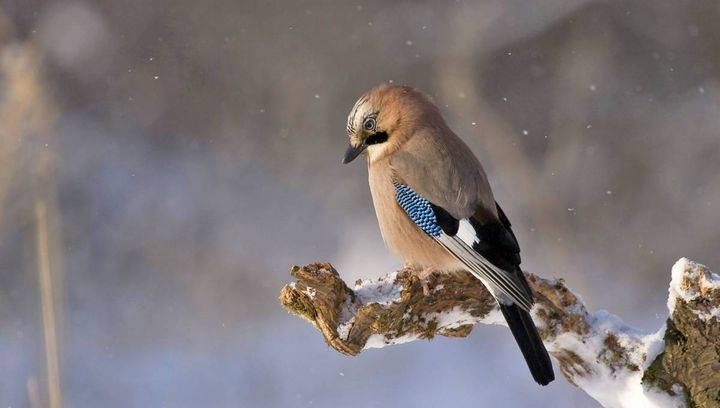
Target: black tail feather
{"x":527,"y":337}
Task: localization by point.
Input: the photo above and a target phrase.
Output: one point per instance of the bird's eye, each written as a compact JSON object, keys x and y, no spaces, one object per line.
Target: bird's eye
{"x":369,"y":124}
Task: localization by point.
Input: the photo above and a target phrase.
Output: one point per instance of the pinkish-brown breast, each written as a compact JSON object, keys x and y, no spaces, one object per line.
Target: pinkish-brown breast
{"x":400,"y":234}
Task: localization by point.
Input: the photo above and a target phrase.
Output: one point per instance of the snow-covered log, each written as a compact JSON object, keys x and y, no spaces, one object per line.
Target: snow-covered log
{"x":679,"y":365}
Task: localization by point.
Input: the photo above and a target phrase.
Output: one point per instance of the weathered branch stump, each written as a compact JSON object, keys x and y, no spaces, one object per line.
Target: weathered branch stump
{"x":619,"y":366}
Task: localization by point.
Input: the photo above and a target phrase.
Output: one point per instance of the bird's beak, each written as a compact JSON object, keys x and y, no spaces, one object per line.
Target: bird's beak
{"x":353,"y":151}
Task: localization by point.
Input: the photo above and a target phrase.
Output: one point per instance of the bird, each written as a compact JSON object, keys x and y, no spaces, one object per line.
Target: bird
{"x":435,"y":208}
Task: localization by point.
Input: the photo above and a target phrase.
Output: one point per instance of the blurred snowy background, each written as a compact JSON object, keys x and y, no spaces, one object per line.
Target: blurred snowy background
{"x":164,"y":163}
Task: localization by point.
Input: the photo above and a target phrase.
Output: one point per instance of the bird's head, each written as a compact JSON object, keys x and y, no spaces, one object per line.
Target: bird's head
{"x":384,"y":118}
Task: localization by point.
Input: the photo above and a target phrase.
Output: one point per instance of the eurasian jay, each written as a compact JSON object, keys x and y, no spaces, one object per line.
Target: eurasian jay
{"x":435,"y":207}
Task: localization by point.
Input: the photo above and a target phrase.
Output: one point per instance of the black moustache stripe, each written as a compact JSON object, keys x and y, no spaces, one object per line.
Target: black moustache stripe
{"x":379,"y":137}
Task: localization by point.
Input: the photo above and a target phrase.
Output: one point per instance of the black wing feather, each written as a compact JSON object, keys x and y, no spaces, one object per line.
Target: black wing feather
{"x":447,"y":222}
{"x":496,"y":243}
{"x":505,"y":253}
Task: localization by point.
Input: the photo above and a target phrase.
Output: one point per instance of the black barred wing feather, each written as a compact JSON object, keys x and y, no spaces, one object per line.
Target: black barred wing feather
{"x":464,"y":238}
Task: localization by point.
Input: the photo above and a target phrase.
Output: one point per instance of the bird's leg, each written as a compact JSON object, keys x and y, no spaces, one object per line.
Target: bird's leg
{"x":425,"y":275}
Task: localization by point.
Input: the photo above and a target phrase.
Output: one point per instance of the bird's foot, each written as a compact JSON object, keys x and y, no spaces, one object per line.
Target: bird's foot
{"x":425,"y":276}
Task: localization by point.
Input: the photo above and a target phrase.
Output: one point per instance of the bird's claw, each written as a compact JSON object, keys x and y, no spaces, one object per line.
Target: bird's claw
{"x":426,"y":277}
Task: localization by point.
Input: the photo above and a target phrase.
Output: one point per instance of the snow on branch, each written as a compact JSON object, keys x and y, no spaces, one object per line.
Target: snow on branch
{"x":679,"y":365}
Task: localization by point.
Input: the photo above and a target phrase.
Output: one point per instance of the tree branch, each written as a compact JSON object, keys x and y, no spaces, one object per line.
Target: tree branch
{"x":618,"y":366}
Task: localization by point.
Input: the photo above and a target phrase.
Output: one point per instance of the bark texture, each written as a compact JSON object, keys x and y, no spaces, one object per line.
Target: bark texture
{"x":680,"y":367}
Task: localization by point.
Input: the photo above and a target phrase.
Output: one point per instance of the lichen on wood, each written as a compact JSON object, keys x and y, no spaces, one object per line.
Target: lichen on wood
{"x":595,"y":351}
{"x":691,"y":356}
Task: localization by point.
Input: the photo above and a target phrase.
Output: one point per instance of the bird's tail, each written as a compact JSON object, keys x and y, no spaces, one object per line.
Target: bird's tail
{"x":527,"y":337}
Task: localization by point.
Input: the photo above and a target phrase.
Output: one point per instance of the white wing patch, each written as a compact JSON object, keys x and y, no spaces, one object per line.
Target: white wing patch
{"x":466,"y":232}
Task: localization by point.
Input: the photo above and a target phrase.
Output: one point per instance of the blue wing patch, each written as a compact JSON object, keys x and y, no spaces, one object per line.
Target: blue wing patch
{"x":418,"y":209}
{"x":460,"y":244}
